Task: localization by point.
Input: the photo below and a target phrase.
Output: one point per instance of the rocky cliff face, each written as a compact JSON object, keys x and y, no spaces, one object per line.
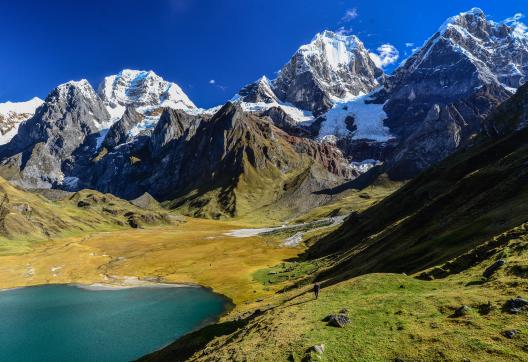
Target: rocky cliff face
{"x":120,"y":131}
{"x":439,"y":97}
{"x":510,"y":116}
{"x":217,"y":166}
{"x":259,"y":91}
{"x":46,"y":145}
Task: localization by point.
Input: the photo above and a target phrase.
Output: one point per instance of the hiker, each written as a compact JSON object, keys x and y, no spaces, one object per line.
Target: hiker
{"x":316,"y":289}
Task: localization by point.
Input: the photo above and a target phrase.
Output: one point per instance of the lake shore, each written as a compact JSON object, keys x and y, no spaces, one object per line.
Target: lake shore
{"x":195,"y":253}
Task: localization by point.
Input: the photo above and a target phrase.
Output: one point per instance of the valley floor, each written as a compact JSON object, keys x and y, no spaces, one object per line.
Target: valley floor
{"x":195,"y":251}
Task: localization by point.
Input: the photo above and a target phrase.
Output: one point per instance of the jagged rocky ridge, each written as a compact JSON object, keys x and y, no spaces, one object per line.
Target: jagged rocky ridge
{"x":74,"y":122}
{"x":331,"y":68}
{"x":437,"y":100}
{"x":43,"y":152}
{"x":209,"y":163}
{"x":433,"y":104}
{"x":468,"y":198}
{"x":220,"y":165}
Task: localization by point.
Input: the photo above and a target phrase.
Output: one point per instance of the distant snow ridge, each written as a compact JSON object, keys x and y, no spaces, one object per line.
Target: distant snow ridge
{"x":144,"y":90}
{"x":27,"y":107}
{"x":14,"y":113}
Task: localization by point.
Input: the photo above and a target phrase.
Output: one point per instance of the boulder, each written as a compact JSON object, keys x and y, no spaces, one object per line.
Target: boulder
{"x":318,"y":348}
{"x":511,"y":333}
{"x":83,"y":203}
{"x":493,"y":268}
{"x":516,"y":305}
{"x":485,"y":308}
{"x":338,"y":320}
{"x":462,"y":311}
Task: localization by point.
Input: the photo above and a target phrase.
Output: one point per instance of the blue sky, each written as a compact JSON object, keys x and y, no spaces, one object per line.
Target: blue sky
{"x":191,"y":42}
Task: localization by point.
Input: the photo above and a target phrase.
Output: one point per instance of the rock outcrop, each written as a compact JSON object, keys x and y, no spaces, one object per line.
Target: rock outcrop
{"x":46,"y":147}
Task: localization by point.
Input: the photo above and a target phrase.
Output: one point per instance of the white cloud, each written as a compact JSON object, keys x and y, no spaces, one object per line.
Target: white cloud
{"x":217,"y":85}
{"x":514,"y":18}
{"x":409,"y":45}
{"x":350,"y":15}
{"x":387,"y":54}
{"x":515,"y":22}
{"x":344,"y":31}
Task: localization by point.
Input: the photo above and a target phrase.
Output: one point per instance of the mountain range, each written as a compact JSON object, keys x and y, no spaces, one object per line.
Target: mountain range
{"x":331,"y":115}
{"x":399,"y":199}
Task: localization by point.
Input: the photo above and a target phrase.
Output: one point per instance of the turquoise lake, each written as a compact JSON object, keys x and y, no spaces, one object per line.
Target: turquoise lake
{"x":68,"y":323}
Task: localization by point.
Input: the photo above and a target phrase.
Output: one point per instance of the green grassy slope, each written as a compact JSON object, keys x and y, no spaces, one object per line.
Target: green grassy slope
{"x":243,"y":166}
{"x":401,"y":268}
{"x":391,"y":316}
{"x":27,"y":217}
{"x":444,"y":212}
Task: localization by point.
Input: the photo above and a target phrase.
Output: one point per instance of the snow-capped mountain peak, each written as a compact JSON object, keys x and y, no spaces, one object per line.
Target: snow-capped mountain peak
{"x":331,"y":68}
{"x":470,"y":18}
{"x":14,"y":113}
{"x":258,"y":91}
{"x":144,"y":91}
{"x":495,"y":49}
{"x":67,"y":90}
{"x":140,"y":88}
{"x":335,"y":48}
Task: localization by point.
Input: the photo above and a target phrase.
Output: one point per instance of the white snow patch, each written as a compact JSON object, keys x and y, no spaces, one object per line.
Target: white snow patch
{"x":293,"y":241}
{"x":336,"y":48}
{"x":70,"y":182}
{"x":101,"y":137}
{"x":365,"y":165}
{"x":20,"y":107}
{"x":8,"y":136}
{"x":368,"y":118}
{"x":13,"y":114}
{"x":298,"y":115}
{"x":149,"y":122}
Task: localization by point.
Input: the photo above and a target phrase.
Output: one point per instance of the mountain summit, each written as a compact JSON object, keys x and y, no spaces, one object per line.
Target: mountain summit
{"x":139,"y":88}
{"x":331,"y":68}
{"x":439,"y":97}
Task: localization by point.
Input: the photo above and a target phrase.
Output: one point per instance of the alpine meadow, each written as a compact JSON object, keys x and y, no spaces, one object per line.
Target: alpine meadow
{"x":368,"y":201}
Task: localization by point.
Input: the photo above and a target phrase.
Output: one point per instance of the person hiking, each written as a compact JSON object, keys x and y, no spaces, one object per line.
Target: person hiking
{"x":316,"y":289}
